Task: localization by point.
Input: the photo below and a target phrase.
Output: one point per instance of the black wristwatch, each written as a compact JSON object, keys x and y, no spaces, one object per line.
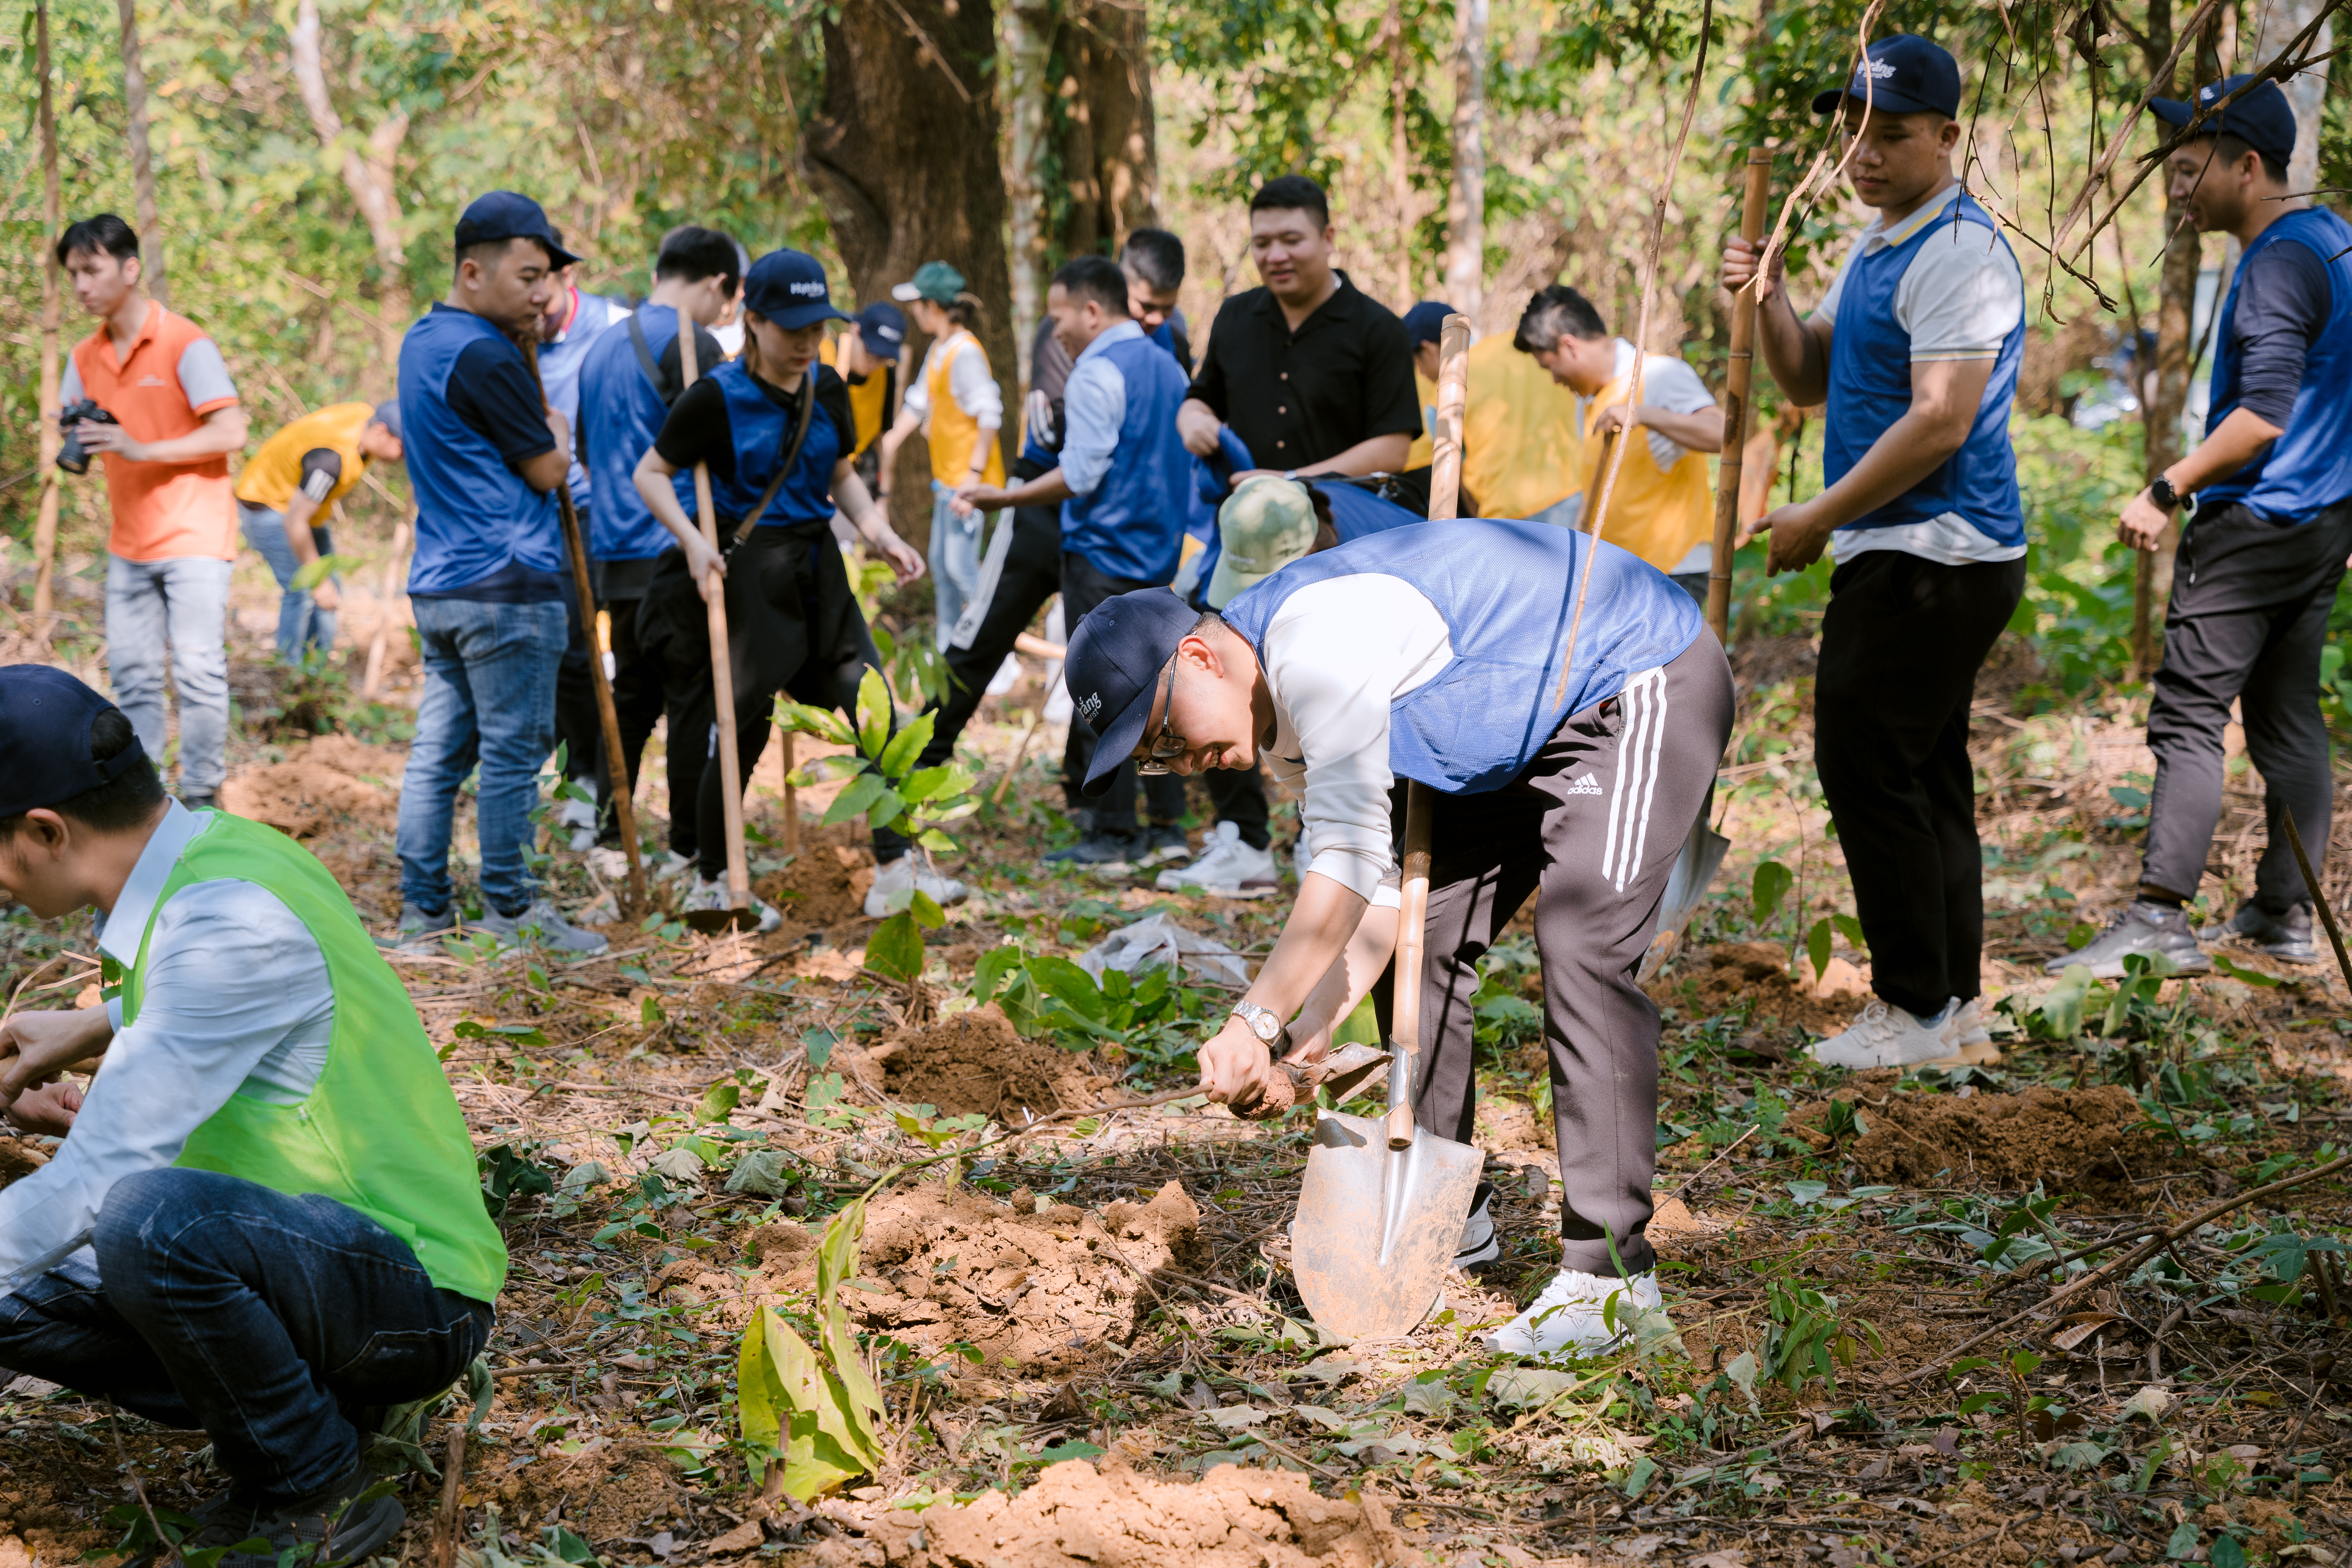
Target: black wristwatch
{"x":2160,"y":491}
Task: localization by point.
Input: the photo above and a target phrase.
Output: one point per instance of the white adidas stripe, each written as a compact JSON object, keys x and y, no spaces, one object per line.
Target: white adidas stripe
{"x":1640,"y":739}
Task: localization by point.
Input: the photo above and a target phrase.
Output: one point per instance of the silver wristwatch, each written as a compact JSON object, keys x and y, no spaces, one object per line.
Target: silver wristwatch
{"x":1269,"y":1029}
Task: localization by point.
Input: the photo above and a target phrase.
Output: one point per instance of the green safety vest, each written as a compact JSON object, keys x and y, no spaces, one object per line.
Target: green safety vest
{"x":381,"y":1131}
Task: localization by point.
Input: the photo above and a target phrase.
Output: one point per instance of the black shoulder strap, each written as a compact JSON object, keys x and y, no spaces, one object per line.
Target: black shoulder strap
{"x":792,"y":451}
{"x":645,"y":361}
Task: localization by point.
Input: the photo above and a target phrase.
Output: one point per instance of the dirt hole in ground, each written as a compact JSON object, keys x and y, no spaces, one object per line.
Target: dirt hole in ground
{"x":2092,"y":1142}
{"x":824,"y":885}
{"x":318,"y":785}
{"x":1706,"y":982}
{"x":1042,"y":1292}
{"x":973,"y":1060}
{"x":1075,"y":1515}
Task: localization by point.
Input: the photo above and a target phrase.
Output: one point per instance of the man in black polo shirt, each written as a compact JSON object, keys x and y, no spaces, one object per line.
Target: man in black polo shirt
{"x":1315,"y":378}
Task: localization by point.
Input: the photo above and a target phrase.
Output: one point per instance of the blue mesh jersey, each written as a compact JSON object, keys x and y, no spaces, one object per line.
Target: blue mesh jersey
{"x":474,"y":514}
{"x":2310,"y":466}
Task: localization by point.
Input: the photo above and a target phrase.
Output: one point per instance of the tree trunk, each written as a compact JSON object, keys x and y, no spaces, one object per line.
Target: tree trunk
{"x":904,"y":149}
{"x":44,"y":525}
{"x":1399,"y":155}
{"x":2163,"y":394}
{"x":142,"y":164}
{"x":2283,"y":21}
{"x":1028,"y":53}
{"x":369,"y":178}
{"x":1110,"y":151}
{"x":1466,"y":201}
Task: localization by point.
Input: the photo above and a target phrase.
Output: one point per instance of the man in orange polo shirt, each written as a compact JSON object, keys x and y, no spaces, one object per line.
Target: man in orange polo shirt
{"x":174,"y":543}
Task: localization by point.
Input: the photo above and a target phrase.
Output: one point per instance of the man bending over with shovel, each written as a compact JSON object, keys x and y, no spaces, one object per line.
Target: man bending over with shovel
{"x":1434,"y":653}
{"x":265,"y":1220}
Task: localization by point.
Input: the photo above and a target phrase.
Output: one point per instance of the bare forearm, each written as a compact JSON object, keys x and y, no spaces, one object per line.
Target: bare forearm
{"x":1326,"y":915}
{"x":1048,"y":488}
{"x":1698,"y":432}
{"x":1377,"y":454}
{"x":2239,"y":441}
{"x":300,"y":513}
{"x":221,"y":433}
{"x":1907,"y":452}
{"x":1793,"y":352}
{"x":653,"y":479}
{"x":977,"y":464}
{"x":1348,"y":981}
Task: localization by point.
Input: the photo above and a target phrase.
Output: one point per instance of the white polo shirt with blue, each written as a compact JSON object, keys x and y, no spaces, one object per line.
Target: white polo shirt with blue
{"x":1127,"y":467}
{"x":1941,"y":284}
{"x":560,"y":362}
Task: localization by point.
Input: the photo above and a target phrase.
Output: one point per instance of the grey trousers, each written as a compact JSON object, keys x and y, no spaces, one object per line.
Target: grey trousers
{"x":184,"y":601}
{"x":2247,"y":620}
{"x":1591,"y":829}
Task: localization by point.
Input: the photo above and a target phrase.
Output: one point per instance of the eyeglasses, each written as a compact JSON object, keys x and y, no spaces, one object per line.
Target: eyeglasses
{"x":1167,"y":744}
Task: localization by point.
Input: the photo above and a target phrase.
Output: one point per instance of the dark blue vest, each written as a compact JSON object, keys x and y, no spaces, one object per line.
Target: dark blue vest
{"x":474,"y":514}
{"x":761,"y":431}
{"x":2310,"y":466}
{"x":620,"y":411}
{"x":1506,"y":590}
{"x":1133,"y":524}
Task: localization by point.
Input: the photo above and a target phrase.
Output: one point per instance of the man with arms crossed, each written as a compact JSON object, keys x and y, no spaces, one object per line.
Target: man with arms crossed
{"x":1915,"y":351}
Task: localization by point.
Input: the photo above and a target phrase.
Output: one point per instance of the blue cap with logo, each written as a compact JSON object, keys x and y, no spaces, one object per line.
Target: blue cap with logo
{"x":505,"y":214}
{"x":2261,"y":117}
{"x":1425,"y":322}
{"x":45,"y":720}
{"x":883,"y":328}
{"x":788,"y":288}
{"x":1904,"y":75}
{"x":1112,"y":669}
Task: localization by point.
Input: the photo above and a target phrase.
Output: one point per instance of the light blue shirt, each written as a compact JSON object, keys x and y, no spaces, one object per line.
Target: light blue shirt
{"x":1093,"y":405}
{"x":237,"y":1000}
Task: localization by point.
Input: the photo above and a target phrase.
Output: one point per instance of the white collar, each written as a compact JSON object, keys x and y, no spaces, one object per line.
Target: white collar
{"x":1120,"y":334}
{"x":136,"y":904}
{"x":1879,"y":237}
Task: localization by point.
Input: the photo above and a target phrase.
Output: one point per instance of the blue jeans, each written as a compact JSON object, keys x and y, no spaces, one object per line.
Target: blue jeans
{"x":268,"y":1320}
{"x":183,"y":601}
{"x":301,"y":625}
{"x":954,"y":560}
{"x":489,"y":696}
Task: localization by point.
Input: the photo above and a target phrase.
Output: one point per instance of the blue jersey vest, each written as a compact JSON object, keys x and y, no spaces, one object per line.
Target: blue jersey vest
{"x":1133,"y":524}
{"x":1870,"y":389}
{"x":474,"y":514}
{"x":2310,"y":466}
{"x":761,"y":431}
{"x":620,"y":411}
{"x":1508,"y":591}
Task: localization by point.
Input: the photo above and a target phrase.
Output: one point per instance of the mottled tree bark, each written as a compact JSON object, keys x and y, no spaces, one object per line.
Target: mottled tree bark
{"x":1109,"y":151}
{"x":142,"y":162}
{"x":45,"y":524}
{"x":2163,"y":394}
{"x":1028,"y":91}
{"x":369,"y":178}
{"x":1466,"y":202}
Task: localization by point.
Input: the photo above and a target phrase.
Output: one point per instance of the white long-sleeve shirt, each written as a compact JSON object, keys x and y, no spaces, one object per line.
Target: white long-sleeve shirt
{"x":1093,"y":405}
{"x":237,"y":1000}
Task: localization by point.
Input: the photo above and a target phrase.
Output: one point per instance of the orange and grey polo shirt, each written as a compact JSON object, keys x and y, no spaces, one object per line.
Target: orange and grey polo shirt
{"x":161,"y":388}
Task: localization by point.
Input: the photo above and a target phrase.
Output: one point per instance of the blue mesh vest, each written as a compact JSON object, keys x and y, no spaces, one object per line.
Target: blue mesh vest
{"x":620,"y":411}
{"x":474,"y":514}
{"x":762,"y":430}
{"x":1133,"y":524}
{"x":1870,"y":389}
{"x":1506,"y":590}
{"x":2310,"y":466}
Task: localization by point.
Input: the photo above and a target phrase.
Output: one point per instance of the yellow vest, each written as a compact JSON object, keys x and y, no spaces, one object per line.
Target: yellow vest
{"x":272,"y":475}
{"x":866,"y":398}
{"x":949,"y":429}
{"x":1659,"y":515}
{"x":1522,"y":446}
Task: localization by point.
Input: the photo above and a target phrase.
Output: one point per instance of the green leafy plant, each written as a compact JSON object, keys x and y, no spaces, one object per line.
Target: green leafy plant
{"x":1045,"y":994}
{"x":811,"y":1414}
{"x":1770,"y":885}
{"x":1825,"y":931}
{"x":1806,"y":1339}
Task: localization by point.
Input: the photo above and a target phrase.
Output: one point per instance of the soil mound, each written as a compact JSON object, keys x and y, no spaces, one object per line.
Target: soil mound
{"x":18,"y":1158}
{"x":824,"y":885}
{"x":972,"y":1061}
{"x":2093,"y":1142}
{"x":1706,"y":982}
{"x":320,"y":783}
{"x":1077,"y":1517}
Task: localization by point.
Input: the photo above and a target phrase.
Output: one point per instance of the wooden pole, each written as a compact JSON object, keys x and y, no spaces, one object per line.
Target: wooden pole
{"x":385,"y":594}
{"x":1735,"y":413}
{"x":616,"y":765}
{"x":791,"y":798}
{"x":722,"y":674}
{"x":45,"y":527}
{"x":142,"y":164}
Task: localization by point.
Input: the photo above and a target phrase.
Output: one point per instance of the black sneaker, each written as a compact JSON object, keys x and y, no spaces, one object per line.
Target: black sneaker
{"x":352,"y":1525}
{"x":1479,"y":1244}
{"x":1164,"y":844}
{"x":1097,"y":852}
{"x":2145,"y":927}
{"x":2286,"y":937}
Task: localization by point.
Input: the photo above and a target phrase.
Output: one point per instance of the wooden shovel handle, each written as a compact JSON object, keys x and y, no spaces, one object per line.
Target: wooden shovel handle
{"x":722,"y":670}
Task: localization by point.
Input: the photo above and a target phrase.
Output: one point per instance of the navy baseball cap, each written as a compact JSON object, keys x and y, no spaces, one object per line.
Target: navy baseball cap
{"x":788,"y":288}
{"x":2260,"y":118}
{"x":45,"y":720}
{"x":388,"y":416}
{"x":1112,"y":669}
{"x":504,"y":214}
{"x":1904,"y":75}
{"x":883,"y":328}
{"x":1425,"y":322}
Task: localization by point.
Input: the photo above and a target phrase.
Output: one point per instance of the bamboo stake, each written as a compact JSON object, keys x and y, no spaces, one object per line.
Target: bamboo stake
{"x":616,"y":765}
{"x":722,"y":676}
{"x":1735,"y":413}
{"x":44,"y":528}
{"x":444,"y":1553}
{"x":2318,"y":896}
{"x":385,"y":593}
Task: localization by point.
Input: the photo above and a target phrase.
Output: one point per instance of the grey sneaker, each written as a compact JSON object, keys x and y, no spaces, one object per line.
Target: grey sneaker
{"x":2145,"y":927}
{"x":418,"y":927}
{"x":541,"y":924}
{"x":338,"y":1525}
{"x":1479,"y":1244}
{"x":1100,"y":852}
{"x":2286,"y":937}
{"x":1164,"y":844}
{"x":200,"y":799}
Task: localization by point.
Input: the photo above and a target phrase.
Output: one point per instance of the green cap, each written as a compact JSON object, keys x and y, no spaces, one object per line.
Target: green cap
{"x":1265,"y":525}
{"x":935,"y":281}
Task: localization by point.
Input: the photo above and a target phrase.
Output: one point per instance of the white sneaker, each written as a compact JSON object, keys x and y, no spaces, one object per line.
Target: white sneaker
{"x":713,"y":896}
{"x":1227,"y":869}
{"x":1963,"y":1024}
{"x":1007,"y":676}
{"x":579,"y":815}
{"x":1884,"y":1035}
{"x":671,"y":866}
{"x":1571,"y":1315}
{"x":905,"y":875}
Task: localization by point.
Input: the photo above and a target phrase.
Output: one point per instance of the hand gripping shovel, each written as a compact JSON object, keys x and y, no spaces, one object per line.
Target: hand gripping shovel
{"x":1382,"y":1206}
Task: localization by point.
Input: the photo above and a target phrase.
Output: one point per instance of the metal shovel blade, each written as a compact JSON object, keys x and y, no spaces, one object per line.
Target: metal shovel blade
{"x":1377,"y":1228}
{"x":710,"y":922}
{"x":1694,"y":866}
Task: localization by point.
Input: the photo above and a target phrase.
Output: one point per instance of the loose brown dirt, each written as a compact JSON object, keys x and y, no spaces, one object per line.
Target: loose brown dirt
{"x":18,"y":1158}
{"x":604,"y":1491}
{"x":1709,"y":981}
{"x":321,"y":784}
{"x":1076,"y":1515}
{"x":972,"y":1061}
{"x":2091,"y":1142}
{"x":825,"y":885}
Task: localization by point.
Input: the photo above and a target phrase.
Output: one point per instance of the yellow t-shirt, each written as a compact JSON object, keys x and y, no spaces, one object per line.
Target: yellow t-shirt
{"x":869,"y":400}
{"x":1522,"y":443}
{"x":1660,"y":515}
{"x":272,"y":475}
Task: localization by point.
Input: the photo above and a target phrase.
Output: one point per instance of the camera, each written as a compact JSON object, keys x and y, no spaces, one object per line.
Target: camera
{"x":70,"y":457}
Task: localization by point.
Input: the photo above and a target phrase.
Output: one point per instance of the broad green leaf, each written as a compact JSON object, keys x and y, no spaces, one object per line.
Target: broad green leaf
{"x":836,"y":1254}
{"x":938,"y":843}
{"x":2061,"y":1006}
{"x":887,"y":807}
{"x":314,"y":573}
{"x":994,"y":965}
{"x":719,"y":1101}
{"x":1850,"y":928}
{"x":907,"y":745}
{"x":862,"y":792}
{"x":874,"y":714}
{"x":2221,"y":964}
{"x":924,"y":782}
{"x":800,"y":718}
{"x":1817,"y":947}
{"x":1772,"y":881}
{"x":819,"y":1453}
{"x":1069,"y":985}
{"x":864,"y":1410}
{"x":896,"y":947}
{"x":964,"y":807}
{"x":759,"y":1392}
{"x":927,"y":912}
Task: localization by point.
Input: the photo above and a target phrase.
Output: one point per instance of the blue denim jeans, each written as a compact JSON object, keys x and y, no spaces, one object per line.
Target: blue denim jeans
{"x":954,"y":560}
{"x":183,"y":601}
{"x":490,"y":697}
{"x":268,"y":1320}
{"x":301,"y":625}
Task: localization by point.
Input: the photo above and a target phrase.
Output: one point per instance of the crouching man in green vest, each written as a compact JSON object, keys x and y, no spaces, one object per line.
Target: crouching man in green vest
{"x":265,"y":1218}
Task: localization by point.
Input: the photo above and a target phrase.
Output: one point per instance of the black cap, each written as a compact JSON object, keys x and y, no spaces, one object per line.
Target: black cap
{"x":1904,"y":75}
{"x":1425,"y":322}
{"x":883,"y":328}
{"x":1112,"y":669}
{"x":45,"y":720}
{"x":2261,"y":117}
{"x":504,"y":214}
{"x":789,"y":288}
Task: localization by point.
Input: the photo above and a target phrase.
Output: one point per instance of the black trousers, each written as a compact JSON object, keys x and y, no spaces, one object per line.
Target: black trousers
{"x":1084,"y":586}
{"x":1032,"y":574}
{"x":2246,"y":623}
{"x":1901,"y":644}
{"x":1239,"y":797}
{"x":643,"y":690}
{"x":578,"y":728}
{"x":1591,"y":829}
